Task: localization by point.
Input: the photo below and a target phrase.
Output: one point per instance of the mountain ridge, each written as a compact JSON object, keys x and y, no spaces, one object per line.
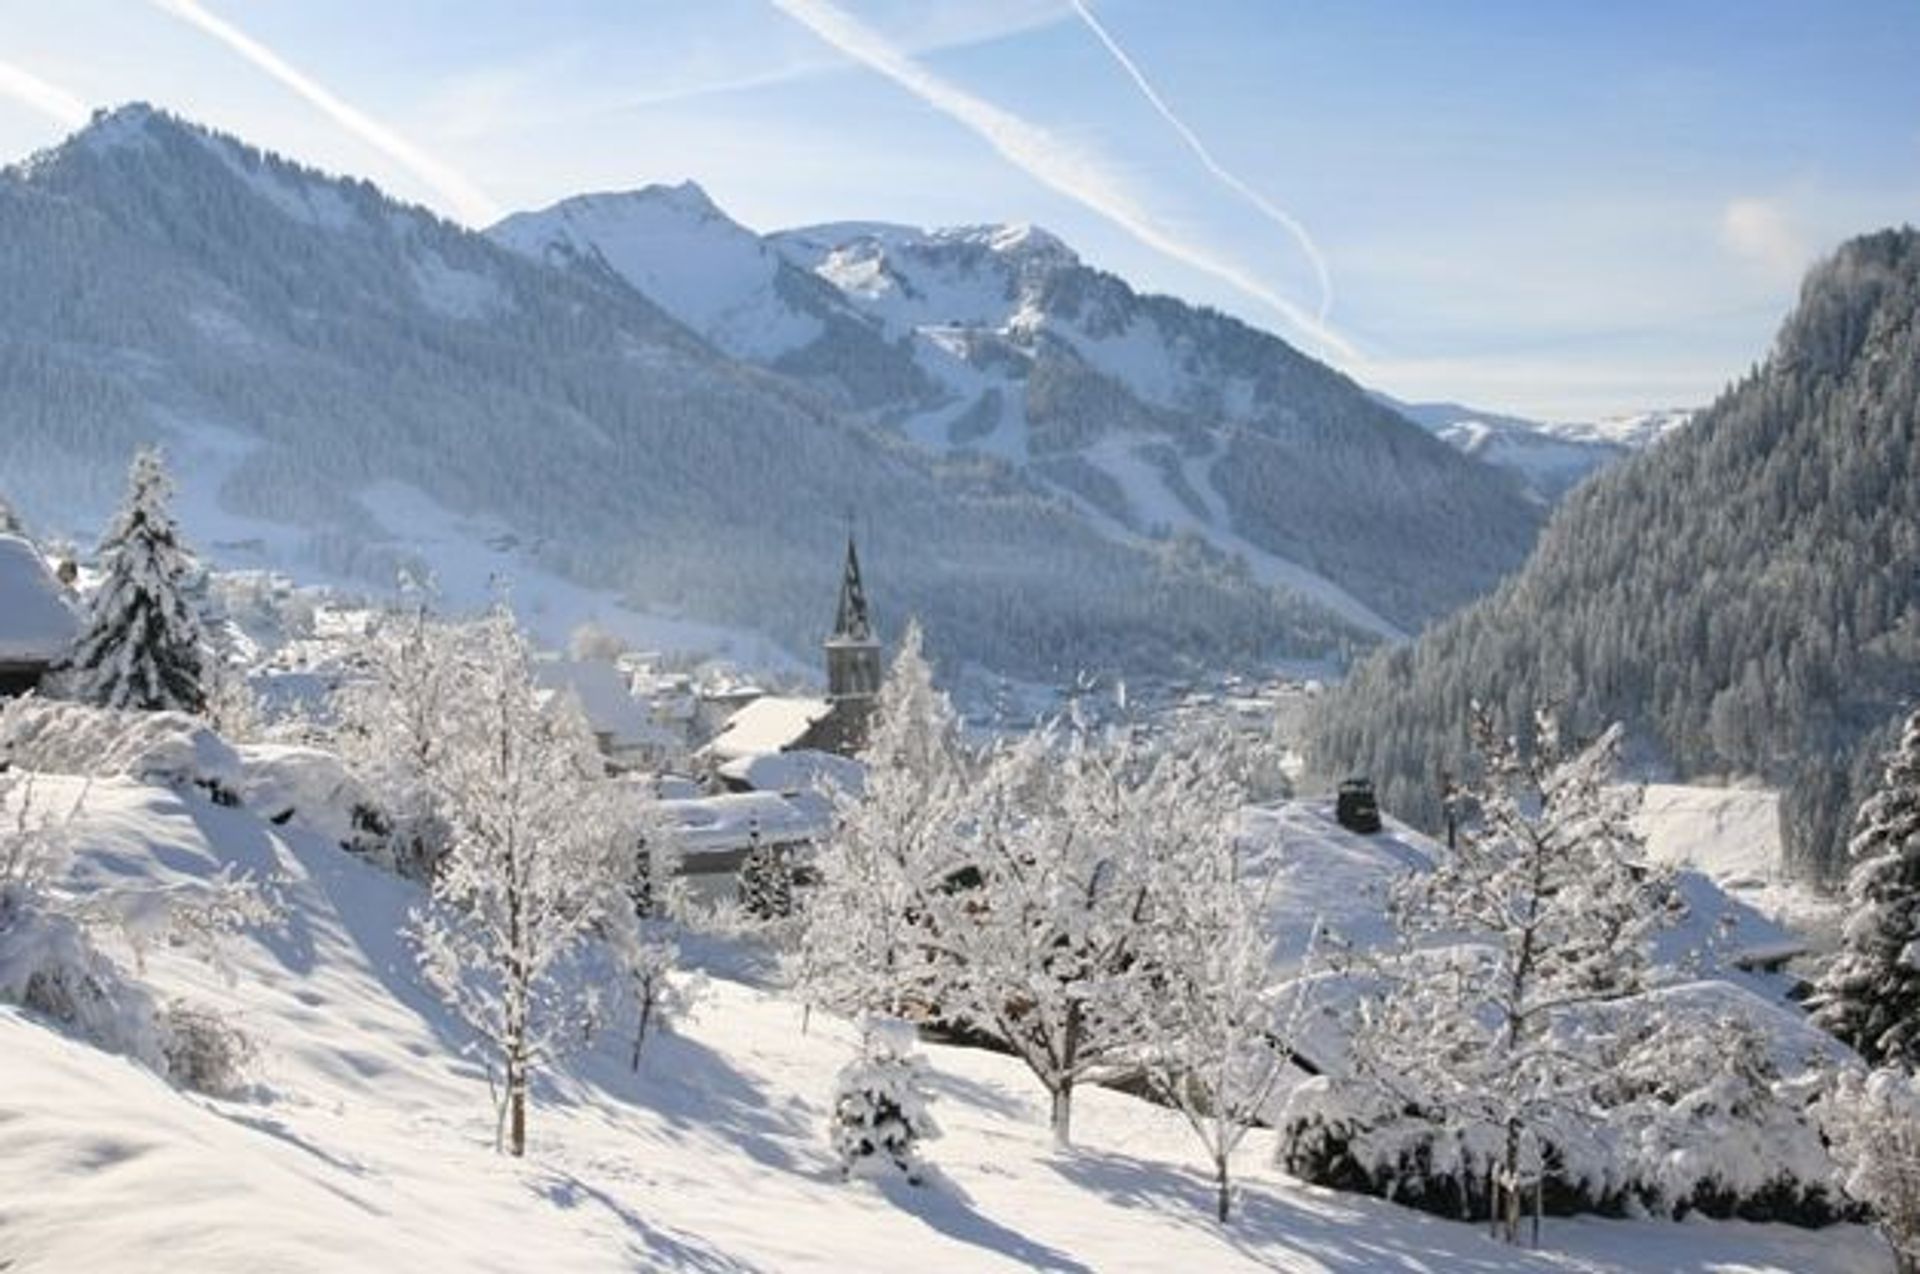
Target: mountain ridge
{"x":1152,"y":416}
{"x":326,"y":362}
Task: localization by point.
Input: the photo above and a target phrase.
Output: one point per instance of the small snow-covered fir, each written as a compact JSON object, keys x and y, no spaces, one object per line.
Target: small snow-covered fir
{"x":143,"y":645}
{"x":880,"y":1117}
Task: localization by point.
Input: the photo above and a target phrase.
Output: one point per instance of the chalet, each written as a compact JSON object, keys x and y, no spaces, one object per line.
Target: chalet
{"x":37,"y":622}
{"x":623,"y":723}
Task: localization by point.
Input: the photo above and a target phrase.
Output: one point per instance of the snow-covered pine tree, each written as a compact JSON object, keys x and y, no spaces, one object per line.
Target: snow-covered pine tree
{"x":766,"y":880}
{"x":538,"y":862}
{"x":1873,"y":1122}
{"x":860,"y":944}
{"x":1552,"y":905}
{"x":143,"y":645}
{"x":880,"y":1113}
{"x":1870,"y":995}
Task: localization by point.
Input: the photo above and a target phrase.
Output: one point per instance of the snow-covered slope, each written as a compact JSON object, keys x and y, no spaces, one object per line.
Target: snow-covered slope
{"x":349,"y":386}
{"x":680,"y":250}
{"x":365,"y":1144}
{"x":1148,"y":417}
{"x":1732,"y":834}
{"x":1549,"y":458}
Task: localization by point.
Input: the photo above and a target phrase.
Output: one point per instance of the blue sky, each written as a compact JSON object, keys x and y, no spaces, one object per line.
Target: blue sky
{"x":1564,"y":209}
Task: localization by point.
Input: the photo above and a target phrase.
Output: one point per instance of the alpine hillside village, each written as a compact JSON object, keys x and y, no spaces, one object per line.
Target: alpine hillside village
{"x":600,"y":737}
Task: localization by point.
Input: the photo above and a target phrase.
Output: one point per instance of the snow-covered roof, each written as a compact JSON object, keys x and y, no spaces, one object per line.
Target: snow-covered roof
{"x":36,"y":623}
{"x":1316,"y":871}
{"x":720,"y":824}
{"x":611,"y":707}
{"x":801,"y":770}
{"x":771,"y":724}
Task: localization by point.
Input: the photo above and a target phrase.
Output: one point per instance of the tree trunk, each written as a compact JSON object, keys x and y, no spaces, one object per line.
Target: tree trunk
{"x":1224,"y":1198}
{"x":646,"y":1019}
{"x":1063,"y":1114}
{"x":517,"y":1106}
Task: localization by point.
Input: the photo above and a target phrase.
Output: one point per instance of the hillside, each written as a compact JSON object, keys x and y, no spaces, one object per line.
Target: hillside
{"x":1743,"y":594}
{"x":348,"y":386}
{"x":365,"y":1140}
{"x":1150,"y":416}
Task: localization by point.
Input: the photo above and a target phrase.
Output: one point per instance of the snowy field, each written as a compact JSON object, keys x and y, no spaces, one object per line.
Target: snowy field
{"x":366,"y":1141}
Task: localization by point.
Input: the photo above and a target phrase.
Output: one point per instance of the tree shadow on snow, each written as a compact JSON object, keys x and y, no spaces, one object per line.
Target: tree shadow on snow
{"x":942,"y":1206}
{"x":698,"y":1093}
{"x":650,"y":1246}
{"x":1345,"y":1234}
{"x":369,"y":905}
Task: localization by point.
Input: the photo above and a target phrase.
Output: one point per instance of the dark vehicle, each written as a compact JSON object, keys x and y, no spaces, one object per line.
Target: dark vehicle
{"x":1357,"y":808}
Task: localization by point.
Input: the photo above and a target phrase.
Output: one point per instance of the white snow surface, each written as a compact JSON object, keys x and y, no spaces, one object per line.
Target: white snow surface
{"x":1315,"y":871}
{"x":801,"y":770}
{"x":731,"y":821}
{"x":36,"y":623}
{"x":365,"y":1143}
{"x":683,"y":254}
{"x":1732,"y":834}
{"x":769,"y":724}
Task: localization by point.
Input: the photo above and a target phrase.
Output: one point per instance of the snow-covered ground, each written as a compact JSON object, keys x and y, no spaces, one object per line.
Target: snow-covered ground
{"x":366,"y":1142}
{"x":1732,"y":834}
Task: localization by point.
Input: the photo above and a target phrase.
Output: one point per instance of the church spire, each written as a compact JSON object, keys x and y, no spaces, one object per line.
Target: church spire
{"x":853,"y":662}
{"x":852,"y":623}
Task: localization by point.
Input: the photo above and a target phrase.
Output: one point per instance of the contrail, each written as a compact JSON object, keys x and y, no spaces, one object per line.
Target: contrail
{"x":1049,"y":159}
{"x":472,"y":203}
{"x":49,"y":99}
{"x":1279,"y":216}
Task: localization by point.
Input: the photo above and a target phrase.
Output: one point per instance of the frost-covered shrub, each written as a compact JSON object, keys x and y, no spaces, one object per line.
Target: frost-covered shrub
{"x":51,"y":958}
{"x":50,"y":965}
{"x":1693,"y":1120}
{"x":52,"y":737}
{"x":880,"y":1105}
{"x":1706,"y":1120}
{"x":304,"y":787}
{"x":205,"y":1052}
{"x":1874,"y":1122}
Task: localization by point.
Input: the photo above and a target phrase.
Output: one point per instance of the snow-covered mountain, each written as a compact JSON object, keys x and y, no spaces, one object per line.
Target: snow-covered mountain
{"x":1549,"y":458}
{"x":1150,"y":416}
{"x":347,"y":385}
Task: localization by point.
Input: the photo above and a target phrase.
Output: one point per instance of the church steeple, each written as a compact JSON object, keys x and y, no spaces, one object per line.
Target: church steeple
{"x":852,"y":622}
{"x":853,"y":660}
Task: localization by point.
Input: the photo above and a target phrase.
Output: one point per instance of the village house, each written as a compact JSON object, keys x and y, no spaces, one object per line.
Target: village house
{"x":37,"y":622}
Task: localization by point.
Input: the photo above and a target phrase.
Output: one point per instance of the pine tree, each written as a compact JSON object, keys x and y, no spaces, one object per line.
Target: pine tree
{"x":144,"y":645}
{"x":1870,"y":995}
{"x":766,"y":880}
{"x":880,"y":1105}
{"x":9,"y":520}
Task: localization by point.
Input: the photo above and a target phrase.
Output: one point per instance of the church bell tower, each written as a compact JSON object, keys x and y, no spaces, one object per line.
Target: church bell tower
{"x":853,"y":661}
